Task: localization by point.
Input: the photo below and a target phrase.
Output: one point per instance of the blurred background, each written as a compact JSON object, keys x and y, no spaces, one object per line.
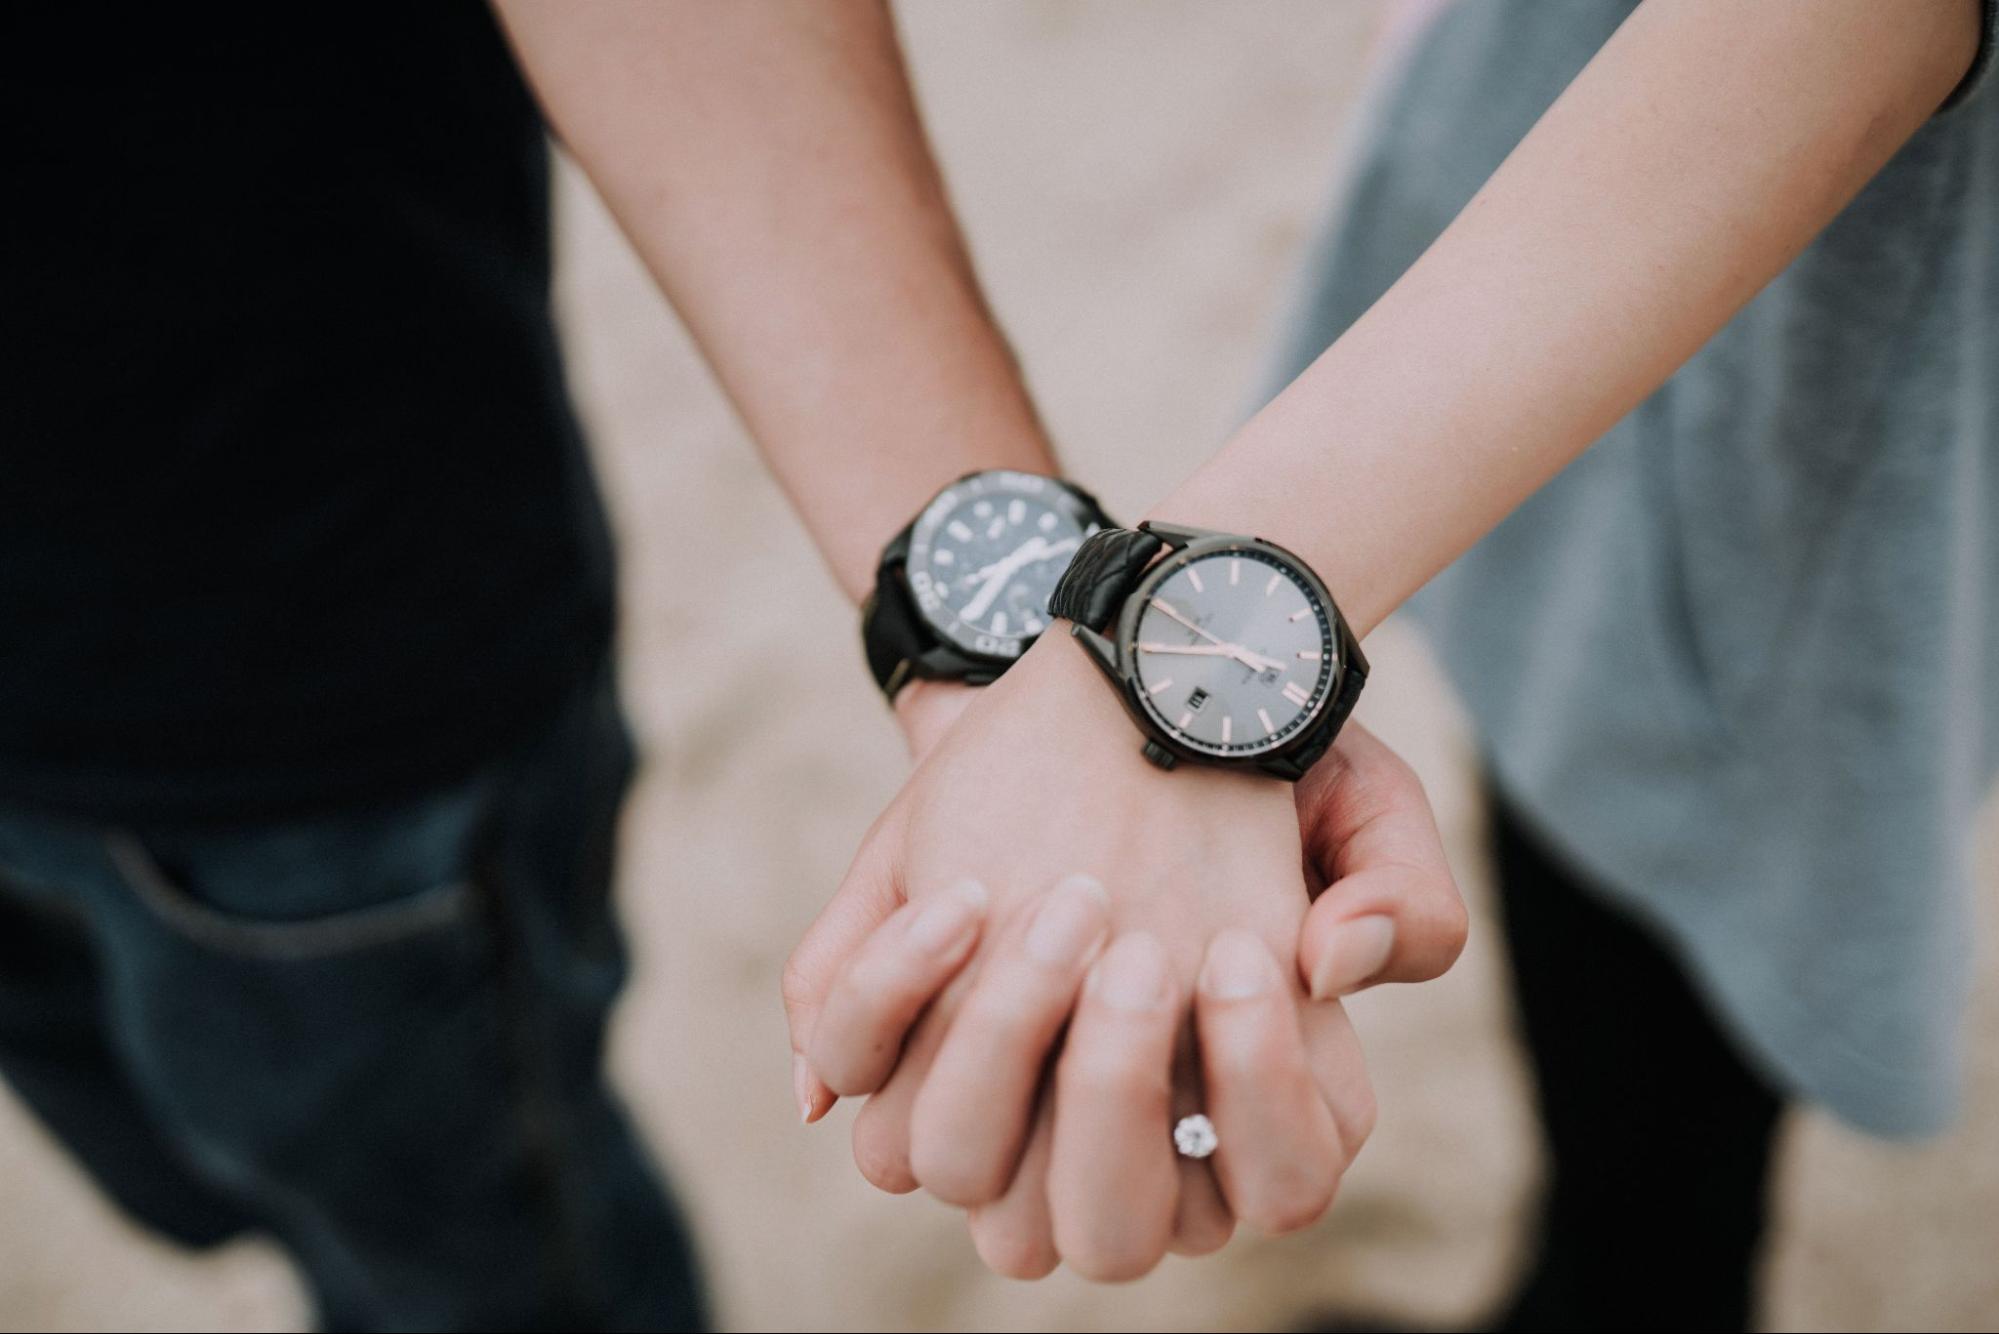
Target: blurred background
{"x":1137,"y":182}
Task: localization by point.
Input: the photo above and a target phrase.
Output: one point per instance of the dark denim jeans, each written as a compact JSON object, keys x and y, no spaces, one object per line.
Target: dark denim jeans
{"x":376,"y":1035}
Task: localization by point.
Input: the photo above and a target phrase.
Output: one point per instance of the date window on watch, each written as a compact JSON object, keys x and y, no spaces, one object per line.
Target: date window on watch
{"x":1196,"y":700}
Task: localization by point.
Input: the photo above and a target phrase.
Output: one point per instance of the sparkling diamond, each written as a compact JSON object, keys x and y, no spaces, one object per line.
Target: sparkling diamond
{"x":1194,"y":1136}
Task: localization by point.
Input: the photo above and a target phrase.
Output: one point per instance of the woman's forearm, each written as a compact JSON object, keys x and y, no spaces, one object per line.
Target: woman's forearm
{"x":1695,"y":156}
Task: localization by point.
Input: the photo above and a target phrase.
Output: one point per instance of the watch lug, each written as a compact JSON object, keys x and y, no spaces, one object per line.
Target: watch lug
{"x":1101,"y":651}
{"x":1177,"y":535}
{"x":1159,"y":755}
{"x":1285,"y":768}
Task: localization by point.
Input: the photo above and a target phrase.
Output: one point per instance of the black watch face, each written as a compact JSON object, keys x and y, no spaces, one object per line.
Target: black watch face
{"x":985,"y":555}
{"x":1233,"y":652}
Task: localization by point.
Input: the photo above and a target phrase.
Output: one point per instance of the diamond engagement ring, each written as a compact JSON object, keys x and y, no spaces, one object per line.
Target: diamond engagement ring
{"x":1194,"y":1136}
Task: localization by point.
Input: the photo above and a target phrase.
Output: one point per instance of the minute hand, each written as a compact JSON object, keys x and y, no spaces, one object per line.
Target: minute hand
{"x":1256,"y":662}
{"x":1172,"y":611}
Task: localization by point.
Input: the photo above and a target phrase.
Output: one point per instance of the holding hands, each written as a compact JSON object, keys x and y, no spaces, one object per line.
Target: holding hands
{"x":1048,"y":951}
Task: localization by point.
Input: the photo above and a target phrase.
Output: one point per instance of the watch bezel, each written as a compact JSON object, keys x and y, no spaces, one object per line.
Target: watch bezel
{"x":982,"y":646}
{"x":1117,"y":651}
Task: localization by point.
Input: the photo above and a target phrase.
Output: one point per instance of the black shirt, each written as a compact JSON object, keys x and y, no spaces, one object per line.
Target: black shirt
{"x":293,"y":510}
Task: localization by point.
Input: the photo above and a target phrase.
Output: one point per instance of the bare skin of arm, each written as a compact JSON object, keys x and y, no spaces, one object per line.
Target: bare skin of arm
{"x":1698,"y":153}
{"x":765,"y":159}
{"x":767,"y":162}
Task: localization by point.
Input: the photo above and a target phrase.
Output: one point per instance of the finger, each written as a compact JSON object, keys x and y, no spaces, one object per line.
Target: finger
{"x":1202,"y":1224}
{"x":1332,"y":1050}
{"x":881,"y":1128}
{"x":1391,"y":911}
{"x":1113,"y":1187}
{"x":1015,"y":1234}
{"x":971,"y":1117}
{"x":1280,"y":1157}
{"x":868,"y":894}
{"x":885,"y":984}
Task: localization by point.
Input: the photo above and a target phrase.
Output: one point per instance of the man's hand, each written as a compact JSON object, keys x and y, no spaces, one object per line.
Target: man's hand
{"x":1204,"y":894}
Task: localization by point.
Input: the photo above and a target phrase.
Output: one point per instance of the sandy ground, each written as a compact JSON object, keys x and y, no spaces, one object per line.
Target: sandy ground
{"x":1137,"y":181}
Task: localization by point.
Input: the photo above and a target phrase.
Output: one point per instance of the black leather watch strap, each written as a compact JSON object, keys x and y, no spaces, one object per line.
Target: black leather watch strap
{"x":1102,"y":575}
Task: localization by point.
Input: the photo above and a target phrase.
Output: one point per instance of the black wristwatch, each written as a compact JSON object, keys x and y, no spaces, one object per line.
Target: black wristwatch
{"x":963,"y":591}
{"x":1228,"y":650}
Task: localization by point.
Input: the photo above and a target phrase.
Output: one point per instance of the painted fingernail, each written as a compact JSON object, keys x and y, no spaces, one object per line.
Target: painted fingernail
{"x":1238,"y":967}
{"x":1132,"y":973}
{"x":948,"y":918}
{"x":801,"y":1085}
{"x":1360,"y":949}
{"x":1069,"y":922}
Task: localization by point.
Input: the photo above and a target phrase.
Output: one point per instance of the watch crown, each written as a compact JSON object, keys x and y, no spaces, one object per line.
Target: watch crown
{"x":1159,"y":755}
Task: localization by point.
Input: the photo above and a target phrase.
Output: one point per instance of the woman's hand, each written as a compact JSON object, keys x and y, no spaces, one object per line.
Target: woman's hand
{"x":1042,"y":780}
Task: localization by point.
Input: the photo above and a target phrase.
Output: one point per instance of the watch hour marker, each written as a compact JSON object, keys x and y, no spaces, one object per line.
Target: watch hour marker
{"x":1164,"y":683}
{"x":983,"y":510}
{"x":1226,"y":728}
{"x":1301,"y":613}
{"x":1309,"y":654}
{"x":1185,"y":719}
{"x":1263,"y":716}
{"x":943,"y":556}
{"x":1194,"y":578}
{"x":1235,"y":571}
{"x":999,"y":622}
{"x":1035,"y":625}
{"x":958,"y":530}
{"x":995,"y":528}
{"x":1296,"y":693}
{"x":1271,"y":587}
{"x":1046,"y":523}
{"x":1016,"y":510}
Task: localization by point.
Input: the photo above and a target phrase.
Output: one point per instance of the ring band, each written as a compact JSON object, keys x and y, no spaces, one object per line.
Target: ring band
{"x":1194,"y":1136}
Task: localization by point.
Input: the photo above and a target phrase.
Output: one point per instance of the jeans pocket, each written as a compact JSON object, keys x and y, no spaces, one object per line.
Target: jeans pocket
{"x":200,"y":921}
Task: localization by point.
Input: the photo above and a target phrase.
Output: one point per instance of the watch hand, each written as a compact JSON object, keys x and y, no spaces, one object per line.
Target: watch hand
{"x":1170,"y":610}
{"x":1200,"y":650}
{"x":1002,"y":571}
{"x":986,"y":571}
{"x":1256,"y":662}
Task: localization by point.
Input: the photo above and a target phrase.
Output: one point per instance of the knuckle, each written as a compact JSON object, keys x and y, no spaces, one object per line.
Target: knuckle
{"x":1102,"y":1263}
{"x":953,"y":1166}
{"x":880,"y":1158}
{"x":965,"y":1180}
{"x":1357,"y":1124}
{"x":1292,"y":1200}
{"x":1204,"y":1233}
{"x":1013,"y":1250}
{"x":798,"y":987}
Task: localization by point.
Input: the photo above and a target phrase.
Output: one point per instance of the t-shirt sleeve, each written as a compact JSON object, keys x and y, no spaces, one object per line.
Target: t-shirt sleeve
{"x":1980,"y":73}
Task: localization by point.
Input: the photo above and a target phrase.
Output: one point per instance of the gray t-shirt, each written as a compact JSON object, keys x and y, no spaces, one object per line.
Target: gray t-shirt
{"x":1741,"y":660}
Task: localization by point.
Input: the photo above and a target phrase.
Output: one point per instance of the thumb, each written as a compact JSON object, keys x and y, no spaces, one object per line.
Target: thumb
{"x":1391,"y":911}
{"x":868,"y":894}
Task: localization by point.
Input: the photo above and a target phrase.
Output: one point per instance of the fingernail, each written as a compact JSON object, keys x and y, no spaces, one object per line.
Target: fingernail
{"x":801,"y":1085}
{"x":948,"y":918}
{"x":1069,"y":921}
{"x":1360,"y":949}
{"x":1132,"y":973}
{"x":1238,"y":967}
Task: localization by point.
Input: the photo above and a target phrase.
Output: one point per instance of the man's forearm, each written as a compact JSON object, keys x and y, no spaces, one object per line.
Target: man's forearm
{"x":1698,"y":153}
{"x":766,"y":159}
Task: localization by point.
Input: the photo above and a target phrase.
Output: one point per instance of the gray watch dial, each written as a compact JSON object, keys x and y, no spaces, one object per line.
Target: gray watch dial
{"x":985,"y":555}
{"x":1234,"y":653}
